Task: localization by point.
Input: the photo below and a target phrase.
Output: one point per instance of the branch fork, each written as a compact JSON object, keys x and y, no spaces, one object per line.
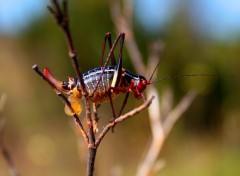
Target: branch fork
{"x":160,"y":126}
{"x":60,"y":15}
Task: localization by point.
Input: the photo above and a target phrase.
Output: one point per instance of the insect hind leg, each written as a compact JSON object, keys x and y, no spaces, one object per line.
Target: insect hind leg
{"x":120,"y":37}
{"x":107,"y":37}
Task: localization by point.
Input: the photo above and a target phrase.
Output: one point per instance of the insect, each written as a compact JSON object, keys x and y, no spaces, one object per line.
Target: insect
{"x":103,"y":83}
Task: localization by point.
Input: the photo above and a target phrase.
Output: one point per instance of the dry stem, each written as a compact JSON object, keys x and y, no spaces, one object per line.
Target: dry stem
{"x":60,"y":14}
{"x":160,"y":126}
{"x":122,"y":118}
{"x":65,"y":100}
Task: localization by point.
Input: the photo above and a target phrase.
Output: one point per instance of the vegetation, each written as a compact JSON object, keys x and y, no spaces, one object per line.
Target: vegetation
{"x":42,"y":140}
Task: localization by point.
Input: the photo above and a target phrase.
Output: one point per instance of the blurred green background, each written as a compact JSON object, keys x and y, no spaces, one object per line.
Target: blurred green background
{"x":42,"y":139}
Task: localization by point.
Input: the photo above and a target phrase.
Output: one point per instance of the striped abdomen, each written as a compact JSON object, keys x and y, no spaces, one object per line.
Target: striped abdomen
{"x":91,"y":79}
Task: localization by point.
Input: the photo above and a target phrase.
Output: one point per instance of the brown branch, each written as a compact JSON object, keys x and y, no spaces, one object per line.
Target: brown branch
{"x":6,"y":154}
{"x":65,"y":100}
{"x":90,"y":137}
{"x":122,"y":118}
{"x":61,"y":16}
{"x":96,"y":118}
{"x":92,"y":150}
{"x":62,"y":19}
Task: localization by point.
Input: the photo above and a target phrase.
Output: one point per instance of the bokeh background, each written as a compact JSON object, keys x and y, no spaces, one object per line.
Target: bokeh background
{"x":200,"y":36}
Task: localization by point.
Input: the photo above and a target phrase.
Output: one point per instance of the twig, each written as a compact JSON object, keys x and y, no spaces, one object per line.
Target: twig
{"x":149,"y":158}
{"x":160,"y":132}
{"x":64,"y":99}
{"x":122,"y":118}
{"x":61,"y":16}
{"x":62,"y":19}
{"x":154,"y":58}
{"x":159,"y":164}
{"x":6,"y":154}
{"x":96,"y":118}
{"x":166,"y":103}
{"x":93,"y":150}
{"x":160,"y":127}
{"x":122,"y":24}
{"x":174,"y":115}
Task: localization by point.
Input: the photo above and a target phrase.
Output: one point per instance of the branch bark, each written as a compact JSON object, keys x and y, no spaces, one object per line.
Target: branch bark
{"x":65,"y":101}
{"x":60,"y":14}
{"x":122,"y":118}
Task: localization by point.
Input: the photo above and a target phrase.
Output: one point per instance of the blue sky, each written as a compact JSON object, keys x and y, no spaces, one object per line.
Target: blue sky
{"x":218,"y":19}
{"x":17,"y":14}
{"x":153,"y":14}
{"x":215,"y":18}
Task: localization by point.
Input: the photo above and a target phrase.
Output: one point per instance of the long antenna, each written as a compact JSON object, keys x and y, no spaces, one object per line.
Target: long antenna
{"x":192,"y":75}
{"x":162,"y":58}
{"x":154,"y":71}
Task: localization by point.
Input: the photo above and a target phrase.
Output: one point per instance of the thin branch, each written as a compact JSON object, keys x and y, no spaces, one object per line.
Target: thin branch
{"x":177,"y":112}
{"x":154,"y":58}
{"x":90,"y":137}
{"x":122,"y":118}
{"x":95,"y":115}
{"x":159,"y":165}
{"x":65,"y":100}
{"x":128,"y":11}
{"x":150,"y":156}
{"x":62,"y":19}
{"x":92,"y":149}
{"x":160,"y":132}
{"x":6,"y":154}
{"x":166,"y":103}
{"x":160,"y":127}
{"x":60,"y":14}
{"x":154,"y":115}
{"x":122,"y":24}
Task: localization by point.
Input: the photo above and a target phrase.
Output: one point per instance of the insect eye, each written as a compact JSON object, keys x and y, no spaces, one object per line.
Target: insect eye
{"x":65,"y":85}
{"x":144,"y":81}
